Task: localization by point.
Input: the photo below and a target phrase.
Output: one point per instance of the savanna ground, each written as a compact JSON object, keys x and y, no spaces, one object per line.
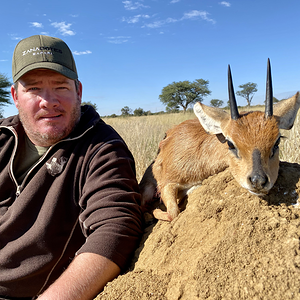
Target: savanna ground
{"x":226,"y":243}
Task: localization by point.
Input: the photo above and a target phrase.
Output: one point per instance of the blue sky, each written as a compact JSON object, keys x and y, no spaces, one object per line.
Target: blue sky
{"x":127,"y":51}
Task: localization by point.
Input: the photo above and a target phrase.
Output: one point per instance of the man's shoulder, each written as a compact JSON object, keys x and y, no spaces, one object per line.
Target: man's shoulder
{"x":106,"y":132}
{"x":99,"y":131}
{"x":10,"y":121}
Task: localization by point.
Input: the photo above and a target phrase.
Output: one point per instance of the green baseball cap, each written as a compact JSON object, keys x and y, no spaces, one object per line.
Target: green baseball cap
{"x":43,"y":52}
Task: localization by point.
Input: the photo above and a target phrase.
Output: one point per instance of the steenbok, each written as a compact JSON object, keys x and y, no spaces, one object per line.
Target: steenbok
{"x":192,"y":151}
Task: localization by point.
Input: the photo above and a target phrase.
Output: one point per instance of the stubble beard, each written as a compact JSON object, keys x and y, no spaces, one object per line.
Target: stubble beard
{"x":57,"y":134}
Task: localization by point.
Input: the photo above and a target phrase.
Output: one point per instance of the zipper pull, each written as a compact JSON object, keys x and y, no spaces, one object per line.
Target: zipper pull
{"x":19,"y":190}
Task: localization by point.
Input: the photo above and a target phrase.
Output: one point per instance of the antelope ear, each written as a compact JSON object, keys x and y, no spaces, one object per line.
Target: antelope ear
{"x":285,"y":111}
{"x":211,"y":118}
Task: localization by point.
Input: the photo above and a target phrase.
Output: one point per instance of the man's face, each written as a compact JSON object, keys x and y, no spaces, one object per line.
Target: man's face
{"x":48,"y":105}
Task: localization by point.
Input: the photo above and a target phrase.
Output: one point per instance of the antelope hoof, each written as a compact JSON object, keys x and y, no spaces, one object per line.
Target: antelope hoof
{"x":163,"y":215}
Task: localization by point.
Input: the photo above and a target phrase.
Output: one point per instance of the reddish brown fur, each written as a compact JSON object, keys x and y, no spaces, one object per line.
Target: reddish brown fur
{"x":253,"y":131}
{"x":188,"y":147}
{"x":198,"y":155}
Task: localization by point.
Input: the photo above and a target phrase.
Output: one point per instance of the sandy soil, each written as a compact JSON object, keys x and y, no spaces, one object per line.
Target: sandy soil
{"x":226,"y":244}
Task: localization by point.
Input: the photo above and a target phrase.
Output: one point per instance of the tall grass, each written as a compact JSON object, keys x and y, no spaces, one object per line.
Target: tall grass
{"x":143,"y":134}
{"x":289,"y":145}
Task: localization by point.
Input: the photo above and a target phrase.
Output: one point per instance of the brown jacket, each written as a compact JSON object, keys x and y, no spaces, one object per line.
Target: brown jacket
{"x":82,"y":196}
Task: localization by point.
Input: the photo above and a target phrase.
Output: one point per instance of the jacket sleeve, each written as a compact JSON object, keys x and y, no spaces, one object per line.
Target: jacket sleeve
{"x":111,"y":219}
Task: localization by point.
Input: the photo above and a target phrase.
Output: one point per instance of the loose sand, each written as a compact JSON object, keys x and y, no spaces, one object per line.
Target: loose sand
{"x":225,"y":244}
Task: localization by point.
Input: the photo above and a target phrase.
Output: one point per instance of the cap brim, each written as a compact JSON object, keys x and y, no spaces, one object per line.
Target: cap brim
{"x":47,"y":65}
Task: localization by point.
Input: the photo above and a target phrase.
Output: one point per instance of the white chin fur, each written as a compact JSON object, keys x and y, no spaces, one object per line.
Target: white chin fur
{"x":258,"y":194}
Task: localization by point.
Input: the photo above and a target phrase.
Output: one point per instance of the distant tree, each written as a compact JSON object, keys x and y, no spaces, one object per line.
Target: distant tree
{"x":216,"y":103}
{"x":126,"y":111}
{"x":89,"y":103}
{"x":247,"y":92}
{"x":275,"y":100}
{"x":4,"y":93}
{"x":139,"y":112}
{"x":184,"y":93}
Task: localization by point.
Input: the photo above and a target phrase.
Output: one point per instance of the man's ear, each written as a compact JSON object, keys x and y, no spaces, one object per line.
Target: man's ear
{"x":14,"y":95}
{"x":79,"y":92}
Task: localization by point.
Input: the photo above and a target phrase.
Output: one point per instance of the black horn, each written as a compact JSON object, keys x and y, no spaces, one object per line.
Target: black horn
{"x":233,"y":106}
{"x":269,"y":93}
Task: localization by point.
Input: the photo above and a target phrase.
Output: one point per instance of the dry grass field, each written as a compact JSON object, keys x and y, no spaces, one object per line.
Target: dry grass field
{"x":143,"y":134}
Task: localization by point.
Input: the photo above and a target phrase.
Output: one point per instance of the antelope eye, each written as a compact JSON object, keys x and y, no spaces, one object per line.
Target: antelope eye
{"x":230,"y":145}
{"x":275,"y":147}
{"x":232,"y":148}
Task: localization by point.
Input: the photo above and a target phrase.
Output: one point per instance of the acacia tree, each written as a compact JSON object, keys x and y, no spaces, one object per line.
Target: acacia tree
{"x":184,"y":93}
{"x":4,"y":93}
{"x":247,"y":92}
{"x":275,"y":100}
{"x":139,"y":112}
{"x":216,"y":102}
{"x":126,"y":111}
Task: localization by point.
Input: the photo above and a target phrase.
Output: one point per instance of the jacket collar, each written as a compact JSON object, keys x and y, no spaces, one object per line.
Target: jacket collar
{"x":89,"y":118}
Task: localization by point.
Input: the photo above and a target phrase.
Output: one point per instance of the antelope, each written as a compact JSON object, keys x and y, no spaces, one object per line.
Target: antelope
{"x":247,"y":143}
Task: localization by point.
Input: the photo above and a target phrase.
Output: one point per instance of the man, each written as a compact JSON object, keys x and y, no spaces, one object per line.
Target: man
{"x":69,"y":201}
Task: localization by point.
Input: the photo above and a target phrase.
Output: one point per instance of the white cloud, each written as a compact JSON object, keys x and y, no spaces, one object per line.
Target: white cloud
{"x":63,"y":28}
{"x":118,"y":39}
{"x":129,"y":5}
{"x":225,"y":3}
{"x":135,"y":19}
{"x":174,"y":1}
{"x":82,"y":52}
{"x":155,"y":24}
{"x":160,"y":23}
{"x":36,"y":24}
{"x":171,"y":20}
{"x":194,"y":14}
{"x":14,"y":37}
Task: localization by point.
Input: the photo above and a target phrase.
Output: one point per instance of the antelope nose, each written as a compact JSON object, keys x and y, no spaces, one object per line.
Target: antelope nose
{"x":258,"y":181}
{"x":258,"y":177}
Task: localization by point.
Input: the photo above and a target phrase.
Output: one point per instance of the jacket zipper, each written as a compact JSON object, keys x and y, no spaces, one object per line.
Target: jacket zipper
{"x":20,"y":187}
{"x":12,"y":159}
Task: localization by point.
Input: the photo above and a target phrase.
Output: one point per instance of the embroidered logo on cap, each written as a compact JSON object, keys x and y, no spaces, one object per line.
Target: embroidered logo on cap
{"x":41,"y":50}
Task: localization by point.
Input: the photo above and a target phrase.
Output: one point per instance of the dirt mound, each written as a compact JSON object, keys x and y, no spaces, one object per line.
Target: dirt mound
{"x":226,"y":244}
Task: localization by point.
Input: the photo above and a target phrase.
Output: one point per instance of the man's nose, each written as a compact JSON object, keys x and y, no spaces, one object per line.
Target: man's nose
{"x":48,"y":99}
